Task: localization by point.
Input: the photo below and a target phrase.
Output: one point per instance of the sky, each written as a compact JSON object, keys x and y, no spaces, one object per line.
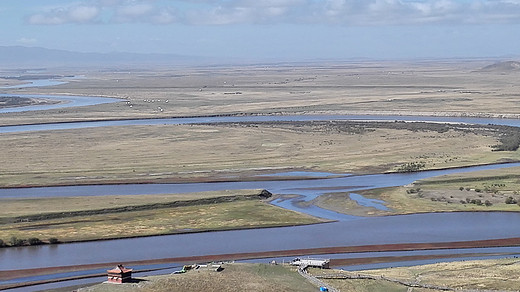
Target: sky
{"x":270,"y":29}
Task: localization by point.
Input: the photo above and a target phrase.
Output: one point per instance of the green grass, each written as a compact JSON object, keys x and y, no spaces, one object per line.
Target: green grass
{"x":19,"y":207}
{"x":238,"y":214}
{"x":234,"y":277}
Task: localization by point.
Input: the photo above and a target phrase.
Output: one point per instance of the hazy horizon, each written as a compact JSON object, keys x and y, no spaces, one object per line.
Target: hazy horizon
{"x":290,"y":30}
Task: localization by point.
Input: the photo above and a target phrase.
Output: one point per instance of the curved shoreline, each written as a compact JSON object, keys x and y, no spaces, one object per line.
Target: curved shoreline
{"x":251,"y":178}
{"x":414,"y":113}
{"x":31,"y":102}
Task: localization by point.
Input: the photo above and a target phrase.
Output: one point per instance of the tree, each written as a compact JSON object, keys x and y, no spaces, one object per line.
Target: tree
{"x":510,"y":200}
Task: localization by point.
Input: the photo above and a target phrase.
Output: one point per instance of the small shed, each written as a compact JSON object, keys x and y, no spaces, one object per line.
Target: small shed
{"x":314,"y":263}
{"x":119,"y":275}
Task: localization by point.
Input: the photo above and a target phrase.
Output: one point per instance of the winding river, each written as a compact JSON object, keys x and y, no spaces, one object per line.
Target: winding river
{"x":346,"y":231}
{"x":62,"y":101}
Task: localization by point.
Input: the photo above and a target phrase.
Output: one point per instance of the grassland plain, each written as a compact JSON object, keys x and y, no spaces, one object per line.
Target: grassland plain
{"x":184,"y":153}
{"x":79,"y":219}
{"x":431,"y":88}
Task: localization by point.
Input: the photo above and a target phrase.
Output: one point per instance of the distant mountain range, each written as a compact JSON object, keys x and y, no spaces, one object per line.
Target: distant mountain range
{"x":507,"y":66}
{"x":23,"y":57}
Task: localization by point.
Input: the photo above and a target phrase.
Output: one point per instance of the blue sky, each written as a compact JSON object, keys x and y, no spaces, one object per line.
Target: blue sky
{"x":269,"y":30}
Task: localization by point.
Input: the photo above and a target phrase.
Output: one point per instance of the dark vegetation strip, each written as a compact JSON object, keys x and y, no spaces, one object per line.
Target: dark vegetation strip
{"x":508,"y":136}
{"x":264,"y":194}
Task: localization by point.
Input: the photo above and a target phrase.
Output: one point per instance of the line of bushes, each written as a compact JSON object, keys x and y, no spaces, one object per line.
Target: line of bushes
{"x":264,"y":194}
{"x":15,"y":241}
{"x":411,"y":166}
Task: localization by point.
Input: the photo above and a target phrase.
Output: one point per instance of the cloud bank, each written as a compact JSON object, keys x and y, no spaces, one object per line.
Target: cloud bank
{"x":339,"y":12}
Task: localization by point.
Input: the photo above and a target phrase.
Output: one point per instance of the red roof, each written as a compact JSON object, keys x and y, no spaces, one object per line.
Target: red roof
{"x":119,"y":270}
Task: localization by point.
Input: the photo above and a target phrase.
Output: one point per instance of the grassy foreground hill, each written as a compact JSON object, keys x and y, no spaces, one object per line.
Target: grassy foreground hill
{"x":234,"y":277}
{"x":478,"y":275}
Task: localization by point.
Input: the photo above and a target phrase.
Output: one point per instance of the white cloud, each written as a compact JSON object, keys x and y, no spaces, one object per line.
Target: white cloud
{"x":26,"y":41}
{"x":165,"y":16}
{"x":133,"y":12}
{"x":83,"y":13}
{"x":344,"y":12}
{"x":76,"y":13}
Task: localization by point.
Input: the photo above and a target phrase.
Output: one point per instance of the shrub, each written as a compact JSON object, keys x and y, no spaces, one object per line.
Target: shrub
{"x":511,"y":200}
{"x":478,"y":190}
{"x":34,"y":241}
{"x":510,"y":141}
{"x":2,"y":243}
{"x":16,"y":241}
{"x":461,"y":188}
{"x":53,"y":240}
{"x":411,"y":167}
{"x":413,"y":191}
{"x":488,"y":203}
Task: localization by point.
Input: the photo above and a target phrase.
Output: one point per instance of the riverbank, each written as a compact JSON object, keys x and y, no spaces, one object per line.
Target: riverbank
{"x":15,"y":101}
{"x":335,"y":261}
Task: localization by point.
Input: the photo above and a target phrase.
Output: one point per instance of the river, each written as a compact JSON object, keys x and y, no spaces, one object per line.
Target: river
{"x":63,"y":101}
{"x":348,"y":230}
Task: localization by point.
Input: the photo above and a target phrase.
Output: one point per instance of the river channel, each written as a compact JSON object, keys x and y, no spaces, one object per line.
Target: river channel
{"x":346,"y":231}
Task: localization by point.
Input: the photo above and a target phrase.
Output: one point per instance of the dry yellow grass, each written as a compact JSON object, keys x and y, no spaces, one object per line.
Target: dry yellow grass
{"x":500,"y":274}
{"x":181,"y":152}
{"x":477,"y":275}
{"x":436,"y":87}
